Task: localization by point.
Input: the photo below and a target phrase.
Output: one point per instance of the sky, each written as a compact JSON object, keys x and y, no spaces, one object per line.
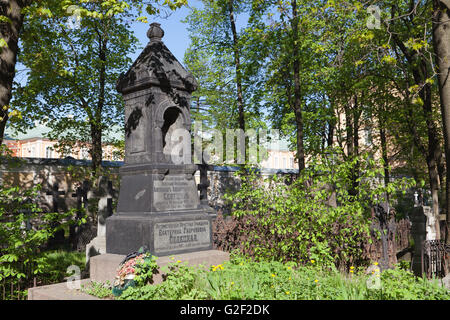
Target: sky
{"x":176,"y":36}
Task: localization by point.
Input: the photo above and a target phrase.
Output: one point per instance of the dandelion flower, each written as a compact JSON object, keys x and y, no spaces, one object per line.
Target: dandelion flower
{"x":316,"y":281}
{"x":375,"y":263}
{"x":287,"y":292}
{"x":274,"y":275}
{"x":312,"y":261}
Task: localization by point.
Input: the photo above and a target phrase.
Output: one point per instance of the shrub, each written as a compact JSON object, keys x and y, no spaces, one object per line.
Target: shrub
{"x":21,"y":255}
{"x":298,"y":221}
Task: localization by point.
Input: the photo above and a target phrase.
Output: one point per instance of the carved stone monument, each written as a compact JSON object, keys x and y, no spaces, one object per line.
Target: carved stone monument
{"x":158,"y":204}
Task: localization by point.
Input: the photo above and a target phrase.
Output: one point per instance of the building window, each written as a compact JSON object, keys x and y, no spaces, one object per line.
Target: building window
{"x":276,"y":163}
{"x":284,"y":163}
{"x":84,"y":153}
{"x":48,"y":152}
{"x":368,"y":136}
{"x":292,"y":162}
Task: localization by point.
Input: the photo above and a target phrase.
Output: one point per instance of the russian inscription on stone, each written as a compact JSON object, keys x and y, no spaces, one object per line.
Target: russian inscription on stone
{"x":174,"y":193}
{"x":183,"y":235}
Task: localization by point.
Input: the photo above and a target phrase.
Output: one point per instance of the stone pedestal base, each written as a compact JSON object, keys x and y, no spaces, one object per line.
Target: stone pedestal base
{"x":163,"y":234}
{"x":104,"y":267}
{"x":95,"y":247}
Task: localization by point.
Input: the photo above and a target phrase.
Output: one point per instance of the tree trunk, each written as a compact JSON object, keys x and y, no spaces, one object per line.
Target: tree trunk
{"x":331,"y":125}
{"x":96,"y":123}
{"x":297,"y":90}
{"x":352,"y":139}
{"x":355,"y":171}
{"x":237,"y":64}
{"x":330,"y":134}
{"x":96,"y":148}
{"x":9,"y":32}
{"x":434,"y":153}
{"x":349,"y":128}
{"x":384,"y":154}
{"x":441,"y":42}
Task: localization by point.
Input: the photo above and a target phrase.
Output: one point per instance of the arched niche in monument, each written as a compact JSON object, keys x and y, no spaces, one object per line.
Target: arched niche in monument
{"x":170,"y":120}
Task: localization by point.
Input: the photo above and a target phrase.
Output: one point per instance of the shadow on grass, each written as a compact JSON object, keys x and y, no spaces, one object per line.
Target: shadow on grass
{"x":58,"y":261}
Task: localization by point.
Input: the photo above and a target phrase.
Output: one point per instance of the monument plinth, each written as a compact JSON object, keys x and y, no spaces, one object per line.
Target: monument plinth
{"x":158,"y":203}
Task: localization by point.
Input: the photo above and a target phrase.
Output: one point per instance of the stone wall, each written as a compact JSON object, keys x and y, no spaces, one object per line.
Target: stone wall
{"x":29,"y":172}
{"x":49,"y":173}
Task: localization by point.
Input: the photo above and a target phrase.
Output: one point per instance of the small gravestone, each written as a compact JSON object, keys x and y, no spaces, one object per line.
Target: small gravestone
{"x":81,"y":193}
{"x":159,"y":205}
{"x":58,"y":237}
{"x":418,"y":219}
{"x":104,"y":194}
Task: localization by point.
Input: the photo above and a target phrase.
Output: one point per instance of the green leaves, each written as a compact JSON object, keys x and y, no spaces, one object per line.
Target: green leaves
{"x":19,"y":246}
{"x":72,"y":74}
{"x":416,"y":44}
{"x":171,"y":4}
{"x":3,"y":44}
{"x":145,"y":270}
{"x":9,"y":258}
{"x":389,"y":60}
{"x":298,"y":221}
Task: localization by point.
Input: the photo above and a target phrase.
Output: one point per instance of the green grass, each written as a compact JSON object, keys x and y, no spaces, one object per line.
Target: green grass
{"x":98,"y":289}
{"x":54,"y":265}
{"x":57,"y":263}
{"x":247,"y":280}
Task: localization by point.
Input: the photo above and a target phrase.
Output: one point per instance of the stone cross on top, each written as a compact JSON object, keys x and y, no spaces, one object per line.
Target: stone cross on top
{"x":158,"y":205}
{"x":55,"y":193}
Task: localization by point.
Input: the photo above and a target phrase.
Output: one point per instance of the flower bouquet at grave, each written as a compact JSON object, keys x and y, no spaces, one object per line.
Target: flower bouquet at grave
{"x":136,"y":269}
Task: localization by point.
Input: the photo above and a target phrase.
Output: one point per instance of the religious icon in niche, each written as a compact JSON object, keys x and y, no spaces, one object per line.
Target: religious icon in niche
{"x":173,"y":120}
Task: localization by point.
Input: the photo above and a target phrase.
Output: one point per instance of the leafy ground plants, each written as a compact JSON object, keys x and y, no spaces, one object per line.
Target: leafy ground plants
{"x":242,"y":279}
{"x":25,"y":229}
{"x":98,"y":289}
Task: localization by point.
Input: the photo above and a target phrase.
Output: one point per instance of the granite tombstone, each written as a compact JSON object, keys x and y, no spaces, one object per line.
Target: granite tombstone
{"x":158,"y":204}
